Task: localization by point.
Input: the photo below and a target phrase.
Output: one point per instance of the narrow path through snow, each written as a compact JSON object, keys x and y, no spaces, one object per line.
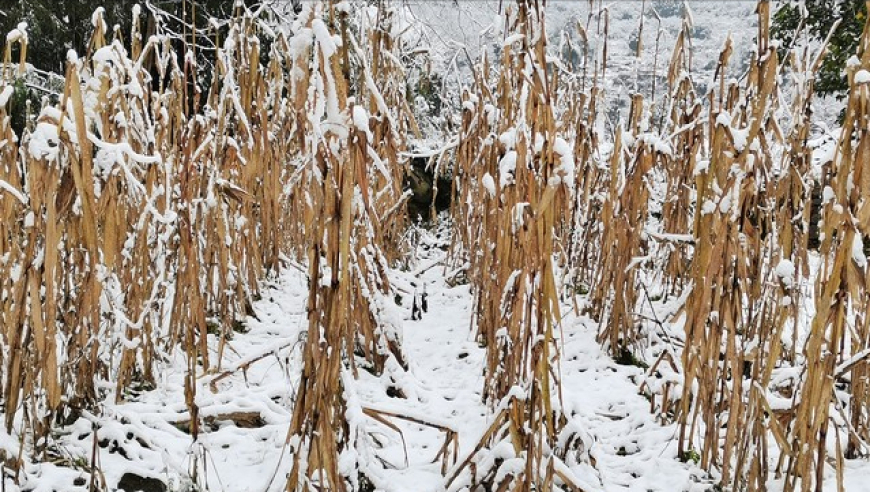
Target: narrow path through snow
{"x":631,"y":450}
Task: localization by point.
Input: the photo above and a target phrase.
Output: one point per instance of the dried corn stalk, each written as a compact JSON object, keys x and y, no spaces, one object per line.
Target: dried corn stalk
{"x":839,"y":328}
{"x":144,"y":222}
{"x":348,"y":306}
{"x":624,"y":219}
{"x":516,"y":297}
{"x":687,"y":137}
{"x":731,"y":347}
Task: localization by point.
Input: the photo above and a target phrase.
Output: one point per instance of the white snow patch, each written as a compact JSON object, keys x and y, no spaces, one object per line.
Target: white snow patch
{"x":785,"y":271}
{"x":566,"y":166}
{"x":507,"y":167}
{"x":512,"y":39}
{"x":489,"y":184}
{"x":827,"y":195}
{"x":6,"y":94}
{"x":858,"y":251}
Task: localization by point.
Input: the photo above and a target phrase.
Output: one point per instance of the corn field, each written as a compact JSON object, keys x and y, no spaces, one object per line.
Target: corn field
{"x":144,"y":209}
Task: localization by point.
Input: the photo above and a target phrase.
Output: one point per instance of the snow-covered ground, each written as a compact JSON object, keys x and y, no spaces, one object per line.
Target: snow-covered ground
{"x":146,"y":435}
{"x":247,"y":407}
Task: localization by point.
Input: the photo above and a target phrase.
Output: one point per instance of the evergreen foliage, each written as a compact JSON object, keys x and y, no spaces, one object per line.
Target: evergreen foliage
{"x":820,"y":18}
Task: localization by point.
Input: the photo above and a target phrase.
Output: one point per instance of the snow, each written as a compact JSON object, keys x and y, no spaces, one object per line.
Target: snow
{"x":489,"y":184}
{"x":657,"y":143}
{"x":519,"y":219}
{"x":512,"y":39}
{"x":506,"y":168}
{"x":785,"y":272}
{"x":361,"y":121}
{"x":96,"y":17}
{"x":5,"y":94}
{"x":324,"y":38}
{"x":608,"y":417}
{"x":8,"y":188}
{"x":723,"y":119}
{"x":509,"y":138}
{"x":566,"y":162}
{"x":858,"y":251}
{"x":740,"y":137}
{"x":708,"y":207}
{"x":18,"y":34}
{"x":44,"y":142}
{"x":725,"y":204}
{"x":632,"y":450}
{"x":827,"y":195}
